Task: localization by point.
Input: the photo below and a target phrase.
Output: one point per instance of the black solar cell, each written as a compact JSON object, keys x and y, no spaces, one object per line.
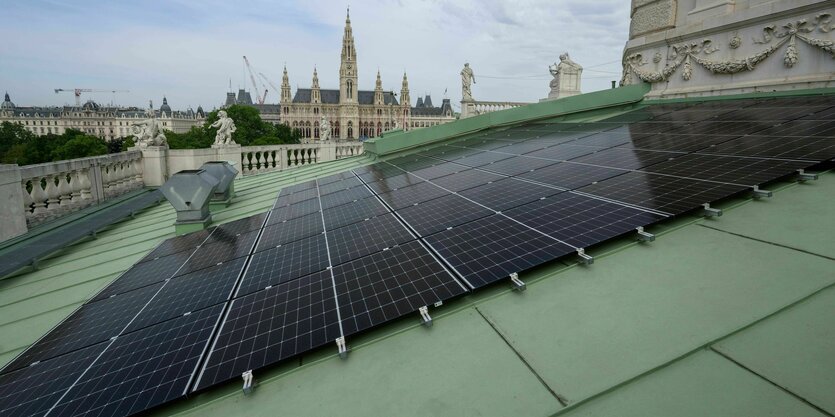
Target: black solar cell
{"x":186,"y":242}
{"x":220,"y":251}
{"x":290,"y":231}
{"x":563,"y":152}
{"x":625,"y":158}
{"x":145,"y":273}
{"x":143,"y":369}
{"x":392,"y":183}
{"x":569,"y":175}
{"x":579,"y":220}
{"x":672,"y":195}
{"x":345,"y":196}
{"x":353,"y":212}
{"x":728,"y":169}
{"x":390,"y":284}
{"x":417,"y":193}
{"x":677,"y":142}
{"x":295,"y":210}
{"x":236,"y":227}
{"x":508,"y":193}
{"x":366,"y":237}
{"x":271,"y":325}
{"x":808,"y":148}
{"x":604,"y":139}
{"x":284,"y":263}
{"x":191,"y":292}
{"x":466,"y":179}
{"x":339,"y":186}
{"x":516,"y":165}
{"x":482,"y":158}
{"x":491,"y":248}
{"x":439,"y":170}
{"x":438,"y":214}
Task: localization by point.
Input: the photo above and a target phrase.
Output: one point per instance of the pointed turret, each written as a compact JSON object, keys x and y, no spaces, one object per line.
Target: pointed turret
{"x":405,"y":104}
{"x":315,"y":93}
{"x":378,"y":90}
{"x":348,"y":67}
{"x":7,"y":102}
{"x":285,"y":87}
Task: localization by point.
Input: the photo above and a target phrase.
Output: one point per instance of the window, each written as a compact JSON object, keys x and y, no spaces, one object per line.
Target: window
{"x":350,"y":94}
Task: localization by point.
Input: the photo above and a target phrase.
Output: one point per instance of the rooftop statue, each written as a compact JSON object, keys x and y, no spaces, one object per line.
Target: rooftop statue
{"x":566,"y":80}
{"x":149,"y":131}
{"x":467,"y":79}
{"x":225,"y":127}
{"x":324,"y":129}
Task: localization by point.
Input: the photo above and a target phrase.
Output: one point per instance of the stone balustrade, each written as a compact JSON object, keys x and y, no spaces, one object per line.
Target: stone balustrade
{"x":55,"y":189}
{"x":475,"y":108}
{"x":260,"y":159}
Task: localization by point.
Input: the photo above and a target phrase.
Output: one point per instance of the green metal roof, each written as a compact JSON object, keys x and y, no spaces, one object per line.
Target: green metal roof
{"x":731,"y":316}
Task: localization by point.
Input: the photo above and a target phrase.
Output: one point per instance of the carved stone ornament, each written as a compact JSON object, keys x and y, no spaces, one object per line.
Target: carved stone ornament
{"x":735,"y":42}
{"x":657,"y":58}
{"x":682,"y":54}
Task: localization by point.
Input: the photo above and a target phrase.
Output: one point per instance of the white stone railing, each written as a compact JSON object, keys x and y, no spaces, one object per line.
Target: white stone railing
{"x":259,"y":159}
{"x":56,"y":189}
{"x":475,"y":108}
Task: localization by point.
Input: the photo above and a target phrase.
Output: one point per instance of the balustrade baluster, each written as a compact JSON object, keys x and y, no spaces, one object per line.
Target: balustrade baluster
{"x":64,"y":190}
{"x":259,"y":165}
{"x":39,"y":196}
{"x":52,"y":193}
{"x":137,"y":171}
{"x":75,"y":189}
{"x":86,"y":185}
{"x":27,"y":201}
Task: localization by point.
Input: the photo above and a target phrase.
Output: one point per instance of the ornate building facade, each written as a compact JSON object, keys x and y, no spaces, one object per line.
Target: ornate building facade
{"x":93,"y":119}
{"x":353,"y":113}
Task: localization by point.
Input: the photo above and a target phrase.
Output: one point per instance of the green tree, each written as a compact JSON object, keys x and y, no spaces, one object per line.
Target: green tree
{"x":80,"y":146}
{"x":250,"y":130}
{"x":13,"y":136}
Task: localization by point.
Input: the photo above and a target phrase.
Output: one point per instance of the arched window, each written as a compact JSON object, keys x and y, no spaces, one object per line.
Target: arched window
{"x":316,"y":130}
{"x":350,"y":89}
{"x":379,"y":128}
{"x":350,"y":130}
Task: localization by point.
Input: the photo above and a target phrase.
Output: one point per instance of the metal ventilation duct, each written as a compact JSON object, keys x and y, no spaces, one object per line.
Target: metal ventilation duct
{"x":189,"y":192}
{"x":225,"y":173}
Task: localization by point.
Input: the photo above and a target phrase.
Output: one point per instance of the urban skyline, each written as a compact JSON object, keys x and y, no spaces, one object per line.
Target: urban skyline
{"x":175,"y":49}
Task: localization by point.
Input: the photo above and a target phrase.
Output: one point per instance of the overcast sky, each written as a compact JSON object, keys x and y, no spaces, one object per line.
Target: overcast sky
{"x":189,"y":50}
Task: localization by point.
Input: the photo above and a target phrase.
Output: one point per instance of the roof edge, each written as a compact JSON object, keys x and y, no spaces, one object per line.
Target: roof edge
{"x":391,"y":143}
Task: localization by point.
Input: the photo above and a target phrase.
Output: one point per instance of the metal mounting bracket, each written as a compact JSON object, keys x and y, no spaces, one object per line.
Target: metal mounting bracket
{"x":757,"y":193}
{"x":584,"y":259}
{"x":803,"y":176}
{"x":343,"y":348}
{"x":425,"y":317}
{"x":247,"y":377}
{"x":644,"y":236}
{"x":709,"y":211}
{"x":518,"y":284}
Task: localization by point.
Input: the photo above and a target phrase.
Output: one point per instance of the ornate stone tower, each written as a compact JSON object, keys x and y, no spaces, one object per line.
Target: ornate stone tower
{"x":378,"y":91}
{"x":285,"y":88}
{"x":315,"y":92}
{"x":348,"y":86}
{"x":405,"y":104}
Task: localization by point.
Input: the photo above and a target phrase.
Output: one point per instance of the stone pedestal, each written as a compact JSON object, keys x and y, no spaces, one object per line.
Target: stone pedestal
{"x":154,"y":164}
{"x":467,"y":108}
{"x":230,"y":153}
{"x":12,"y":217}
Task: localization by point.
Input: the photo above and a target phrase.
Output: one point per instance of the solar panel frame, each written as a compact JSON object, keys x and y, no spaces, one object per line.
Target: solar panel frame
{"x":626,"y":158}
{"x":508,"y":193}
{"x":391,"y":284}
{"x":366,"y":237}
{"x":393,"y":183}
{"x":144,"y":274}
{"x":248,"y":338}
{"x":222,"y":251}
{"x":728,"y":169}
{"x":563,"y":152}
{"x":412,"y":194}
{"x":571,"y":175}
{"x":353,"y":212}
{"x":797,"y":148}
{"x":290,"y":231}
{"x":466,"y":179}
{"x":292,"y":211}
{"x":441,"y":213}
{"x":516,"y":165}
{"x":284,"y":263}
{"x":345,"y":196}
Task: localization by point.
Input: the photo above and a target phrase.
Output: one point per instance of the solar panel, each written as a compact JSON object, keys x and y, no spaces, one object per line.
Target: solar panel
{"x":247,"y":224}
{"x":439,"y":170}
{"x":186,"y":242}
{"x":392,"y":183}
{"x":142,"y":369}
{"x":438,"y":214}
{"x":815,"y":128}
{"x":353,"y":212}
{"x":290,"y":231}
{"x":728,"y":169}
{"x":417,"y":193}
{"x":508,"y":193}
{"x":32,"y":391}
{"x":664,"y":193}
{"x":284,"y":263}
{"x":516,"y":165}
{"x":563,"y":152}
{"x":271,"y":325}
{"x":466,"y":179}
{"x":294,"y":210}
{"x":625,"y":158}
{"x":145,"y":273}
{"x":482,"y":158}
{"x":714,"y":127}
{"x":299,"y":187}
{"x":768,"y":113}
{"x":220,"y":251}
{"x":297,"y":197}
{"x":677,"y":142}
{"x":579,"y":220}
{"x":378,"y":171}
{"x":346,"y":184}
{"x":334,"y":178}
{"x":90,"y":324}
{"x":190,"y":292}
{"x":570,"y":175}
{"x":390,"y":284}
{"x":524,"y":147}
{"x":345,"y":196}
{"x":365,"y":237}
{"x":604,"y":139}
{"x":807,"y":148}
{"x":491,"y":248}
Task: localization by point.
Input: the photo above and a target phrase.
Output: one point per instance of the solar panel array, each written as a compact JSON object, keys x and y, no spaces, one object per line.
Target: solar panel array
{"x":347,"y":252}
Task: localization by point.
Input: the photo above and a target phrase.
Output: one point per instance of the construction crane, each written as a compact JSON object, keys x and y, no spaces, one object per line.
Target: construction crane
{"x":78,"y":91}
{"x":264,"y":77}
{"x":258,"y":96}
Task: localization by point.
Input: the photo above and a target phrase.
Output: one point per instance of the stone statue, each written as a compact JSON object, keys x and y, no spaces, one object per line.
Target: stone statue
{"x":149,"y":131}
{"x":324,"y":129}
{"x":566,"y":80}
{"x":467,"y":79}
{"x":225,"y":128}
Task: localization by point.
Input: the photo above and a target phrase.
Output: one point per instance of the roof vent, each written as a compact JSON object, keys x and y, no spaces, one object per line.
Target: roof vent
{"x":189,"y":192}
{"x":225,"y":173}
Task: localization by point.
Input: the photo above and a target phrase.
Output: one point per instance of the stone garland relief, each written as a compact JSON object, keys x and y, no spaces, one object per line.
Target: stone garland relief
{"x":683,"y":55}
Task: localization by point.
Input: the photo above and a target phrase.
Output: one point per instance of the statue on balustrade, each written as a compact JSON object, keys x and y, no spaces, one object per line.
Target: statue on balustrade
{"x":225,"y":128}
{"x":467,"y":79}
{"x":566,"y":75}
{"x":324,"y":129}
{"x":149,"y":131}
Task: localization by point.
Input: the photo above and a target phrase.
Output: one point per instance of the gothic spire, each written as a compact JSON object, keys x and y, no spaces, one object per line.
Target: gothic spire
{"x":285,"y":79}
{"x":379,"y":84}
{"x":315,"y":78}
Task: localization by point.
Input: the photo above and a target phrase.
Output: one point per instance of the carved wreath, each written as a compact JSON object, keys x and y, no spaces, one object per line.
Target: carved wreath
{"x":684,"y":54}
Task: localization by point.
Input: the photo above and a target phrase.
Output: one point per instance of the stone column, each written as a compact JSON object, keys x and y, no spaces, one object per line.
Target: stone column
{"x":467,"y":108}
{"x":154,"y":164}
{"x":12,"y":215}
{"x":232,"y":154}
